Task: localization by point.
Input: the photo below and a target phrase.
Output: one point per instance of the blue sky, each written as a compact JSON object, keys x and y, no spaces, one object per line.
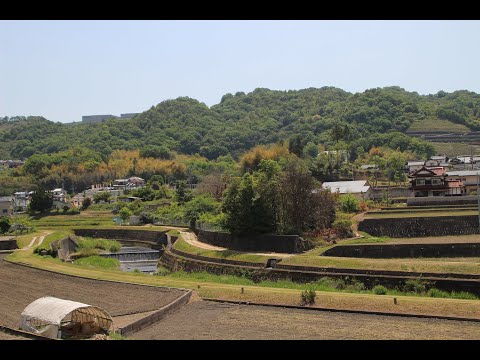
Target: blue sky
{"x":65,"y":69}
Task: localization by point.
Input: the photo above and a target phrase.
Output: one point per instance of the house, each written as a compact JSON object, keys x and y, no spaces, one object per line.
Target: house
{"x":433,"y":182}
{"x":128,"y":184}
{"x":77,"y":200}
{"x":359,"y":188}
{"x":437,"y":161}
{"x":59,"y":195}
{"x":22,"y":200}
{"x":7,"y":205}
{"x":468,"y":177}
{"x":414,"y":165}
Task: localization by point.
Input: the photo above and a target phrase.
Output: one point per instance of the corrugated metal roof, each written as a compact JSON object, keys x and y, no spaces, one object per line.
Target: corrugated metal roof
{"x":464,"y":173}
{"x":355,"y":187}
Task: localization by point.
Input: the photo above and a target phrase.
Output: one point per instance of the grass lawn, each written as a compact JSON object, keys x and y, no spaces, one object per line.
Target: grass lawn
{"x":24,"y":240}
{"x":454,"y":149}
{"x":436,"y":124}
{"x":274,"y":295}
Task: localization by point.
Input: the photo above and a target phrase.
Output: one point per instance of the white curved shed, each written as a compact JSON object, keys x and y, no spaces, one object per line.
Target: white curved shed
{"x":53,"y":317}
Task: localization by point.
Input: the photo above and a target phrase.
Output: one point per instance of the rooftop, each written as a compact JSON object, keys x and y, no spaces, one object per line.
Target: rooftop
{"x":343,"y":187}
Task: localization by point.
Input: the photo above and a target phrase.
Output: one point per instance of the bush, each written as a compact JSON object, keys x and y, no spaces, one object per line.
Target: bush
{"x":147,"y":217}
{"x":349,"y":203}
{"x":307,"y":297}
{"x":418,"y":286}
{"x":99,"y":262}
{"x":86,"y":203}
{"x":161,"y":271}
{"x":379,"y":290}
{"x":343,"y":228}
{"x":48,"y":251}
{"x":4,"y":224}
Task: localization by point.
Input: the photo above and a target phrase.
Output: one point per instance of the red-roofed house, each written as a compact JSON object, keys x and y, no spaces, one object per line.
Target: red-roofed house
{"x":433,"y":182}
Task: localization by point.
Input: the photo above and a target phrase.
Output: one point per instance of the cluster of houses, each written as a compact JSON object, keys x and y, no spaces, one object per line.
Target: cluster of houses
{"x":20,"y":201}
{"x":438,"y":176}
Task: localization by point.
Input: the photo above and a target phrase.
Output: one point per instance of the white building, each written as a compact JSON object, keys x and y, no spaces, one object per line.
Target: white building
{"x":359,"y":188}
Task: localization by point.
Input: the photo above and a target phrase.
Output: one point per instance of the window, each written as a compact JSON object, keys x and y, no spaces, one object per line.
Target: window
{"x":420,"y":182}
{"x":4,"y":211}
{"x":436,"y":181}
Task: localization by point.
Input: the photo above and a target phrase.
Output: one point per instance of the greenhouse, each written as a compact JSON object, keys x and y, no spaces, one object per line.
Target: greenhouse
{"x":59,"y":319}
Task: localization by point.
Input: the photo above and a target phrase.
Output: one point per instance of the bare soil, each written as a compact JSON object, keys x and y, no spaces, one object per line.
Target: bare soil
{"x":19,"y":286}
{"x":211,"y":320}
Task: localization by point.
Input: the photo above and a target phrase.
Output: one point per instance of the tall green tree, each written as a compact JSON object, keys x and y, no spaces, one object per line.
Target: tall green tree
{"x":42,"y":200}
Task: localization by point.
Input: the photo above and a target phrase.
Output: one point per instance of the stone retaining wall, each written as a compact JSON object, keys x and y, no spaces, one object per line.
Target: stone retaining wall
{"x":8,"y":244}
{"x":265,"y":242}
{"x":405,"y":250}
{"x":421,"y":226}
{"x":157,"y":237}
{"x":391,"y":279}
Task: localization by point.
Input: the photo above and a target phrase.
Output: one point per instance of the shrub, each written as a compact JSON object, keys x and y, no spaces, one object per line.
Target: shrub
{"x":147,"y":217}
{"x":48,"y":251}
{"x":4,"y":224}
{"x":161,"y":271}
{"x":99,"y":262}
{"x":65,"y":208}
{"x":343,"y":228}
{"x":349,"y":203}
{"x":417,"y":286}
{"x":86,"y":203}
{"x":307,"y":297}
{"x":379,"y":290}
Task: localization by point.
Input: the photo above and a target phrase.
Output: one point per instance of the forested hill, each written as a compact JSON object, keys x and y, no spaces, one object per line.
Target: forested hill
{"x":328,"y":116}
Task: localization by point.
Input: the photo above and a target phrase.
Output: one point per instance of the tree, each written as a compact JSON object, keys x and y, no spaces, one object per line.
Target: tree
{"x":182,"y":194}
{"x":102,"y":196}
{"x":310,"y":150}
{"x":86,"y":203}
{"x":213,"y":185}
{"x":4,"y":224}
{"x":349,"y":203}
{"x":42,"y":200}
{"x":125,"y":214}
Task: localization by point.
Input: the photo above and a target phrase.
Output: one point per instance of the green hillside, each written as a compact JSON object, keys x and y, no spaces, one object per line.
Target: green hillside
{"x":328,"y":116}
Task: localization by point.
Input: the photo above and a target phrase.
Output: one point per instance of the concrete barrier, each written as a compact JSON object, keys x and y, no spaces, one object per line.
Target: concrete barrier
{"x":157,"y":315}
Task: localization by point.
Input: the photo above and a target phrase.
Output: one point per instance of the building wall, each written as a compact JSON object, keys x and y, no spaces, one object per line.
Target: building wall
{"x":6,"y":208}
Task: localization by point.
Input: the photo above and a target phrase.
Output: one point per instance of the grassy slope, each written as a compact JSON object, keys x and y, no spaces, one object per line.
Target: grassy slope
{"x":454,"y":149}
{"x":435,"y":124}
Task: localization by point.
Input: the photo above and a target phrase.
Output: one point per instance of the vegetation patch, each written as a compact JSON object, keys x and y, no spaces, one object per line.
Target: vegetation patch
{"x":98,"y":262}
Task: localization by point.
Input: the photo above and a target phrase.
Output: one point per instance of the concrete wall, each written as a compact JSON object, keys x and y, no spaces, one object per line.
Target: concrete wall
{"x":405,"y":250}
{"x":157,"y":315}
{"x":421,"y":226}
{"x":442,"y":200}
{"x":8,"y":244}
{"x":157,"y":237}
{"x":265,"y":242}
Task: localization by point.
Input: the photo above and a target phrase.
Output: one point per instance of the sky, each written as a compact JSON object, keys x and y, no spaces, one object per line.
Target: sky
{"x":62,"y":70}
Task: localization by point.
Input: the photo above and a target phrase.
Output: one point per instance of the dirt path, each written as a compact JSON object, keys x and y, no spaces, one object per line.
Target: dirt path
{"x":191,"y":238}
{"x":39,"y":238}
{"x":209,"y":320}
